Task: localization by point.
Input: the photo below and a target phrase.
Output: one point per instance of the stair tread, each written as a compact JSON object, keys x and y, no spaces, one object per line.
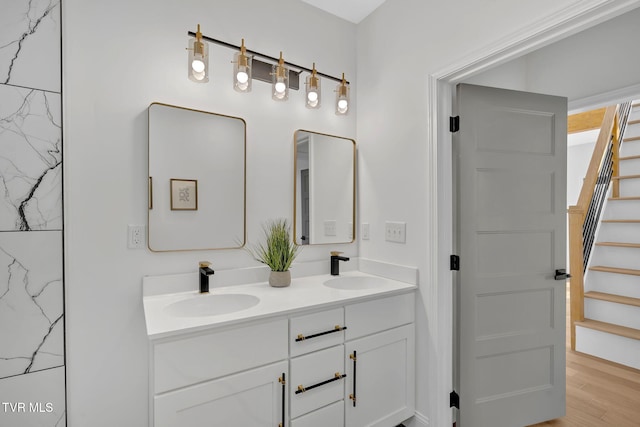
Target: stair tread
{"x":623,"y":221}
{"x":625,"y":198}
{"x":629,"y":158}
{"x":633,"y":122}
{"x":610,"y":328}
{"x":619,"y":244}
{"x":626,"y":177}
{"x":617,"y":270}
{"x":635,"y":138}
{"x":618,"y":299}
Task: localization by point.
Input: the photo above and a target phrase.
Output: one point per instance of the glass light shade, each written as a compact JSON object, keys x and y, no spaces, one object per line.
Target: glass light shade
{"x":242,"y":72}
{"x":198,"y":61}
{"x":342,"y":98}
{"x":314,"y":97}
{"x":280,"y":83}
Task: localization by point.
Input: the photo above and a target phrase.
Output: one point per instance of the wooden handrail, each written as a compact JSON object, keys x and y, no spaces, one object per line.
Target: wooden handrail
{"x":577,"y":215}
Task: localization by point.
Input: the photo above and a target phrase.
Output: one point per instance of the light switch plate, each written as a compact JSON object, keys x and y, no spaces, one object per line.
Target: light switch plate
{"x":365,"y":231}
{"x":395,"y":231}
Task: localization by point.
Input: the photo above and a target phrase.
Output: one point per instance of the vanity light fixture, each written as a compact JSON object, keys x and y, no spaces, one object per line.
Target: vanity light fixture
{"x":342,"y":97}
{"x":242,"y":70}
{"x":282,"y":75}
{"x":198,"y":59}
{"x":312,"y":85}
{"x":280,"y":82}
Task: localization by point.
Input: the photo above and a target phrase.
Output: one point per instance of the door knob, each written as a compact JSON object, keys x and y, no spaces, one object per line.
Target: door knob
{"x":561,"y":274}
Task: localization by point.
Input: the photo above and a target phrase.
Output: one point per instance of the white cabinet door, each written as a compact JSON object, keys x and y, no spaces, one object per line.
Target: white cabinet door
{"x":381,"y":378}
{"x":251,"y":398}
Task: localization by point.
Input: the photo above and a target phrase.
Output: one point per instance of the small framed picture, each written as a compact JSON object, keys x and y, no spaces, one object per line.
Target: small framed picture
{"x":184,"y":195}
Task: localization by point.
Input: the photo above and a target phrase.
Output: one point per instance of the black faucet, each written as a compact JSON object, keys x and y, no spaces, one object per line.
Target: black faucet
{"x":205,"y":272}
{"x":335,"y":266}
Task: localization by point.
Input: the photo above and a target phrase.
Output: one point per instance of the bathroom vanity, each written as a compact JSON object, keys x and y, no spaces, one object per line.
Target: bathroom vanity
{"x":324,"y":352}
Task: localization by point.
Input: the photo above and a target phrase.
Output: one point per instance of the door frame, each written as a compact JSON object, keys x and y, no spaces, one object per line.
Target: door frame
{"x":441,"y":87}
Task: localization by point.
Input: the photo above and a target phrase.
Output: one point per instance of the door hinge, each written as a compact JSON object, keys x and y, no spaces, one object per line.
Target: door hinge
{"x":454,"y":124}
{"x":454,"y":263}
{"x":454,"y":400}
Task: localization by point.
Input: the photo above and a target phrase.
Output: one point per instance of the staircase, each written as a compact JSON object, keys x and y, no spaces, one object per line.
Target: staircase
{"x":611,"y":326}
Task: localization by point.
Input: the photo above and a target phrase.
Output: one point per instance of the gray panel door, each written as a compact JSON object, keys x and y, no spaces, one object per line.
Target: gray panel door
{"x":510,"y":155}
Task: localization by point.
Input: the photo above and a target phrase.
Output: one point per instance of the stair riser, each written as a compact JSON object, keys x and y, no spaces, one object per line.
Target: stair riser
{"x":634,"y":114}
{"x":613,"y":232}
{"x":609,"y":312}
{"x":630,"y":167}
{"x":608,"y":346}
{"x":630,"y":148}
{"x":629,"y":187}
{"x":632,"y":129}
{"x":622,"y":209}
{"x":611,"y":256}
{"x":616,"y":284}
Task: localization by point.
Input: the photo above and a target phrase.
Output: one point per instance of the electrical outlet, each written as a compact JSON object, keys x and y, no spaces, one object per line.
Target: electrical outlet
{"x":395,"y":231}
{"x":365,"y":231}
{"x":135,"y":236}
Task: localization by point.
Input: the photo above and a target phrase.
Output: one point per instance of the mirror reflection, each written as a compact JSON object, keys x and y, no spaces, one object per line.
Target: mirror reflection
{"x":324,"y":188}
{"x":196,"y":179}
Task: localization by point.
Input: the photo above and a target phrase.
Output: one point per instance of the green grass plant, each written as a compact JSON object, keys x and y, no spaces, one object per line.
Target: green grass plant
{"x":278,"y":250}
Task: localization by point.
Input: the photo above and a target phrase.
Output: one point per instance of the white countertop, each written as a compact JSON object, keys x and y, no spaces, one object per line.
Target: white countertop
{"x":304,"y":293}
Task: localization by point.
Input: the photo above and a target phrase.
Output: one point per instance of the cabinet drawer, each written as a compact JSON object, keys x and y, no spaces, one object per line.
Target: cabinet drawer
{"x":199,"y":358}
{"x":316,"y":331}
{"x":378,"y":315}
{"x":315,"y":373}
{"x":332,"y":415}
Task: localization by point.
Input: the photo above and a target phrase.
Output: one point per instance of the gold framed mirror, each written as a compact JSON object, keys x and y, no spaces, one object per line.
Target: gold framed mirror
{"x":324,"y":188}
{"x":197,"y":180}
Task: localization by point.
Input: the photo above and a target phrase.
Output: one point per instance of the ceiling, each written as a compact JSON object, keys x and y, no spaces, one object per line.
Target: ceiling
{"x":351,"y":10}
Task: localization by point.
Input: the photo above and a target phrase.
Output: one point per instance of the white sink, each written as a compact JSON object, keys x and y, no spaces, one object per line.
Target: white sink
{"x":211,"y":305}
{"x":354,"y":283}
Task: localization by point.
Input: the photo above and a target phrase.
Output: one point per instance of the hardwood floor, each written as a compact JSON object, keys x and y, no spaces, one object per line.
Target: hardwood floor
{"x":599,"y":393}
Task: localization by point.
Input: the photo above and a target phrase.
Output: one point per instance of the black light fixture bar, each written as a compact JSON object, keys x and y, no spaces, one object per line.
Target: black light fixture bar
{"x":262,"y":55}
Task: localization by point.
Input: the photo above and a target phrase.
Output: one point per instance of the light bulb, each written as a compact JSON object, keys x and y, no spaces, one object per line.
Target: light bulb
{"x":342,"y":105}
{"x":197,"y":65}
{"x":242,"y":77}
{"x":312,"y":97}
{"x":280,"y":87}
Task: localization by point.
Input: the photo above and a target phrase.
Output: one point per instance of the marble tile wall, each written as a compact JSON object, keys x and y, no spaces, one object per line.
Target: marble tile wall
{"x":32,"y":359}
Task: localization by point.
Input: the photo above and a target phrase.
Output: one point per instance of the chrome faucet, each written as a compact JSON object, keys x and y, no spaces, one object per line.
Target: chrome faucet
{"x":335,"y":259}
{"x":205,"y":272}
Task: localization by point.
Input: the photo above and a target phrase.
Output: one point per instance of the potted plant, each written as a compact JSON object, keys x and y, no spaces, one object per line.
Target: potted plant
{"x":278,"y":251}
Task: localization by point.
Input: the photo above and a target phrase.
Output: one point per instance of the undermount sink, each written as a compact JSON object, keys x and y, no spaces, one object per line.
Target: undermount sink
{"x":211,"y":305}
{"x":354,"y":283}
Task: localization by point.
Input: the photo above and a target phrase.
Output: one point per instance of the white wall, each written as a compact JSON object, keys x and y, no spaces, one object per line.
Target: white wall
{"x":596,"y":61}
{"x":399,"y":45}
{"x":119,"y":56}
